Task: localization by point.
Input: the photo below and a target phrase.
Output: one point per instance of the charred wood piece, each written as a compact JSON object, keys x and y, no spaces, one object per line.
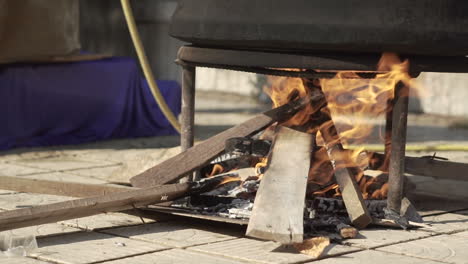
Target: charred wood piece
{"x":248,"y":146}
{"x":345,"y":178}
{"x":201,"y":154}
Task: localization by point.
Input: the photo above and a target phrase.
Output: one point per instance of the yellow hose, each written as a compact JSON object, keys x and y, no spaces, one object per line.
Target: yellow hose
{"x":127,"y":9}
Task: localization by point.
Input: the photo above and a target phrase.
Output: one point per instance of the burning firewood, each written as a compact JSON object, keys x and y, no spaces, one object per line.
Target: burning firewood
{"x":201,"y":154}
{"x":352,"y":196}
{"x":279,"y":204}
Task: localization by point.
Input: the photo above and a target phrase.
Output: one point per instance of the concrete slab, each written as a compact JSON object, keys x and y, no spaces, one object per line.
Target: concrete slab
{"x":65,"y":177}
{"x":461,"y":234}
{"x":447,"y":223}
{"x":20,"y":200}
{"x":445,"y":248}
{"x":108,"y":220}
{"x":372,"y":257}
{"x":137,"y":164}
{"x":97,"y":174}
{"x":171,"y":234}
{"x":9,"y":169}
{"x":42,"y":230}
{"x":90,"y":247}
{"x":20,"y":260}
{"x":176,"y":256}
{"x":263,"y":251}
{"x":376,"y":237}
{"x":61,"y":163}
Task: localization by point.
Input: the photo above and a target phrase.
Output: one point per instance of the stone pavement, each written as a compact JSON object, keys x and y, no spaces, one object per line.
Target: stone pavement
{"x":123,"y":238}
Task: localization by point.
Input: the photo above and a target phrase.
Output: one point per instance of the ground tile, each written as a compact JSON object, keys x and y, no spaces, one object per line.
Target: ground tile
{"x":65,"y":177}
{"x":61,"y":163}
{"x":100,"y":173}
{"x":171,"y":234}
{"x":41,"y":230}
{"x":264,"y":251}
{"x":9,"y":169}
{"x":375,"y":237}
{"x":373,"y":257}
{"x":176,"y":256}
{"x":90,"y":247}
{"x":20,"y":260}
{"x":446,"y":223}
{"x":462,"y":234}
{"x":446,"y":248}
{"x":21,"y":200}
{"x":106,"y":221}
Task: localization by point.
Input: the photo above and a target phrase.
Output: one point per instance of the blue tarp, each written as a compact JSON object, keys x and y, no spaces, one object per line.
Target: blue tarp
{"x":71,"y":103}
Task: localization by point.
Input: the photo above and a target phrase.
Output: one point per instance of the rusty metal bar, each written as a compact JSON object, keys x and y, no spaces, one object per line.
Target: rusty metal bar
{"x":398,"y":146}
{"x":188,"y":107}
{"x":187,"y":116}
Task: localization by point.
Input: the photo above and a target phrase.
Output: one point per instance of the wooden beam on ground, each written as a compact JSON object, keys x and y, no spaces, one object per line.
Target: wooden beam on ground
{"x":278,"y":209}
{"x":195,"y":157}
{"x":112,"y":202}
{"x":72,"y":189}
{"x":426,"y":166}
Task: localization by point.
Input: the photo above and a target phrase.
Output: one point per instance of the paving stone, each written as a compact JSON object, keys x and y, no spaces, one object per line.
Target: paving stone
{"x":445,"y":248}
{"x":264,"y":251}
{"x":446,"y":223}
{"x":101,"y":173}
{"x":462,"y":234}
{"x":6,"y":192}
{"x":65,"y":177}
{"x":176,"y":256}
{"x":136,"y":164}
{"x":89,"y":247}
{"x":373,"y":257}
{"x":41,"y":230}
{"x":21,"y":200}
{"x":373,"y":237}
{"x":9,"y":169}
{"x":20,"y":260}
{"x":61,"y":163}
{"x":108,"y":220}
{"x":172,"y":234}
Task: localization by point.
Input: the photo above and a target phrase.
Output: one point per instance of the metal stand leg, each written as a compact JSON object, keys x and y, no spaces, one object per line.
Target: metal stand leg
{"x":188,"y":107}
{"x":398,"y":146}
{"x":187,"y":113}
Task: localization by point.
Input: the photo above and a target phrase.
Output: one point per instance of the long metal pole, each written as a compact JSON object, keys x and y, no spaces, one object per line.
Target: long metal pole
{"x":188,"y":107}
{"x":398,"y":147}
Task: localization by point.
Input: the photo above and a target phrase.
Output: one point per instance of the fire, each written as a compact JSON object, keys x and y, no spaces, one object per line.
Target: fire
{"x":353,"y":103}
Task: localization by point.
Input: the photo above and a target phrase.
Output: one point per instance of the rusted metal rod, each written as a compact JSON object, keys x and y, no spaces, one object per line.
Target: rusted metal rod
{"x":188,"y":107}
{"x":398,"y":147}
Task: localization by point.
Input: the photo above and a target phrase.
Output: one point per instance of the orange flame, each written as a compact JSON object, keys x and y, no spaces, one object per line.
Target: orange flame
{"x":353,"y":103}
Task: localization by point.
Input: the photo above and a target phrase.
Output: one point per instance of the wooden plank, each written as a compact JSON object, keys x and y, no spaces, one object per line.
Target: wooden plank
{"x":426,"y":166}
{"x":278,"y":209}
{"x":352,"y":195}
{"x":71,"y":209}
{"x":197,"y":156}
{"x":72,"y":189}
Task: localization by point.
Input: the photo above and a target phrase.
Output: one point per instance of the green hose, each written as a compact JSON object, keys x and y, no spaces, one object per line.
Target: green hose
{"x":127,"y":9}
